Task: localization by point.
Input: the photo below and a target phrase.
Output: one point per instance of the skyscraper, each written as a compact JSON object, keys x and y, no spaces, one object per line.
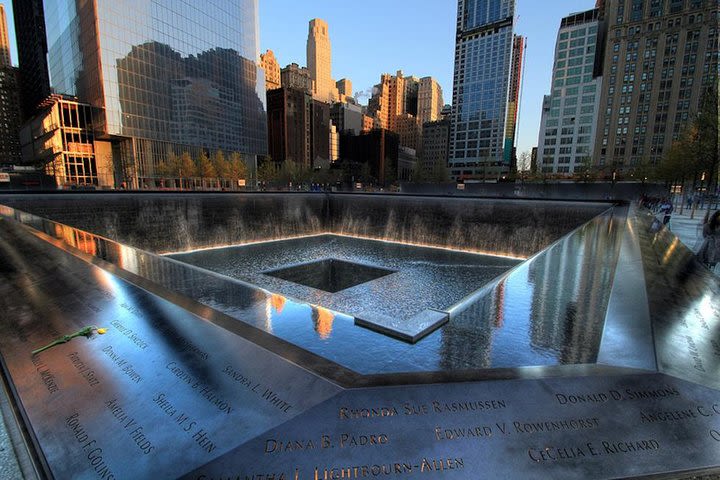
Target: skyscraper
{"x":9,"y":101}
{"x":160,"y":88}
{"x":272,"y":70}
{"x":430,"y":100}
{"x":516,"y":75}
{"x":32,"y":54}
{"x":569,"y":115}
{"x":660,"y":58}
{"x":4,"y":40}
{"x":319,"y":61}
{"x":481,"y":85}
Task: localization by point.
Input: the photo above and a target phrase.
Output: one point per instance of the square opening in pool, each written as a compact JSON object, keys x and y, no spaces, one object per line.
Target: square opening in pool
{"x":330,"y":275}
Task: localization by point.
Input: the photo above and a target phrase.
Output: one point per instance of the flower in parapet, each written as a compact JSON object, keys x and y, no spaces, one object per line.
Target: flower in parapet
{"x":83,"y":332}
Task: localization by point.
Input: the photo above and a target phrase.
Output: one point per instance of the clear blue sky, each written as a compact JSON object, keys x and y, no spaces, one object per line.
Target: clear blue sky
{"x":372,"y":37}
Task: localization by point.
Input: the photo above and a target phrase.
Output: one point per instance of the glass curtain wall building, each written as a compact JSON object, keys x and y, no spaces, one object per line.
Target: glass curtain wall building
{"x":569,"y":116}
{"x":481,"y":84}
{"x":165,"y":77}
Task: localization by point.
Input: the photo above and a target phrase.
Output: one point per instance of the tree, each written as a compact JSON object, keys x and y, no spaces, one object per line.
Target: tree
{"x":186,"y":167}
{"x":440,"y":173}
{"x":237,"y":170}
{"x":267,"y":171}
{"x":222,"y":166}
{"x":390,"y":173}
{"x":205,"y":168}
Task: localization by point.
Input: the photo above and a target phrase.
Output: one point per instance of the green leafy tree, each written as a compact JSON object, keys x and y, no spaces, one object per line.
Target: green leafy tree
{"x":222,"y":166}
{"x":267,"y":171}
{"x":205,"y":168}
{"x":237,"y":170}
{"x":186,"y":168}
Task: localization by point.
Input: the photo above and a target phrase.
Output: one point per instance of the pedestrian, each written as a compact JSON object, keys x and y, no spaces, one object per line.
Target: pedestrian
{"x":709,"y":252}
{"x":666,"y":209}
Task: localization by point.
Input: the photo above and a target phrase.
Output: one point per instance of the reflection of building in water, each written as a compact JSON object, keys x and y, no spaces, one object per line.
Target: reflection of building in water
{"x":159,"y":87}
{"x":323,"y":321}
{"x":570,"y":293}
{"x":466,"y":340}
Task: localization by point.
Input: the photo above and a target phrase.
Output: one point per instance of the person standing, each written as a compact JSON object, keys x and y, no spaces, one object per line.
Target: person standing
{"x":666,"y":209}
{"x":709,"y":252}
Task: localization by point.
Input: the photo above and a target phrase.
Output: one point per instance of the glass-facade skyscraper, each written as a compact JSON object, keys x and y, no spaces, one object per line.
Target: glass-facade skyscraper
{"x":481,"y":85}
{"x":165,"y":76}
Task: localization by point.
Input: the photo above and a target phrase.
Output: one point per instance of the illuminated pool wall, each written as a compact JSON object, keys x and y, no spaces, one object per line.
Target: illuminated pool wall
{"x":164,"y":223}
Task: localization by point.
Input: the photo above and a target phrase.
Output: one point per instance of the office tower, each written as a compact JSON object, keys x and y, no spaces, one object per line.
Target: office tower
{"x":293,"y":76}
{"x":660,"y":58}
{"x":272,"y":70}
{"x":344,"y":87}
{"x":32,"y":54}
{"x":483,"y":59}
{"x":319,"y":61}
{"x":430,"y":100}
{"x":321,"y":130}
{"x":376,"y":150}
{"x":299,"y":128}
{"x":9,"y":100}
{"x":569,"y":113}
{"x":347,"y":117}
{"x":4,"y":40}
{"x":9,"y":116}
{"x":390,"y":99}
{"x":158,"y":87}
{"x":516,"y":73}
{"x":433,"y":154}
{"x":290,"y":125}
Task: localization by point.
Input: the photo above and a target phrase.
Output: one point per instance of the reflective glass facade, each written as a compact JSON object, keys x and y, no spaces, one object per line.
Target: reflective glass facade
{"x":170,"y":75}
{"x":483,"y":57}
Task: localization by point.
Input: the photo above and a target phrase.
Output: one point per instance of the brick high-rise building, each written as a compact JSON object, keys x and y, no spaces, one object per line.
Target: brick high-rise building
{"x":483,"y":60}
{"x":9,"y":99}
{"x":433,"y":153}
{"x":4,"y":40}
{"x":299,"y":128}
{"x":319,"y":61}
{"x":660,"y":58}
{"x":569,"y":113}
{"x":290,"y":125}
{"x":272,"y":70}
{"x":294,"y":76}
{"x":395,"y":95}
{"x":430,"y":100}
{"x":344,"y":87}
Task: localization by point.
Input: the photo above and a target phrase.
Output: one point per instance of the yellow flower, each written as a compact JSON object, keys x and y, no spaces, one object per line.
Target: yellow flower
{"x":101,"y":330}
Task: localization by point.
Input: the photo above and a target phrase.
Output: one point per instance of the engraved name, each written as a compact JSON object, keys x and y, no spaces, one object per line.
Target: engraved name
{"x":136,"y":431}
{"x":91,"y":451}
{"x":83,"y":369}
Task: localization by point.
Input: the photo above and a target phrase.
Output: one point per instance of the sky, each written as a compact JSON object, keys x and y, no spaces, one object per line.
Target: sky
{"x":372,"y":37}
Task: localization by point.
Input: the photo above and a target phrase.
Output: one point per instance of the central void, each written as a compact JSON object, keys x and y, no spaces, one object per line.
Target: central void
{"x":353,"y":275}
{"x":330,"y":275}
